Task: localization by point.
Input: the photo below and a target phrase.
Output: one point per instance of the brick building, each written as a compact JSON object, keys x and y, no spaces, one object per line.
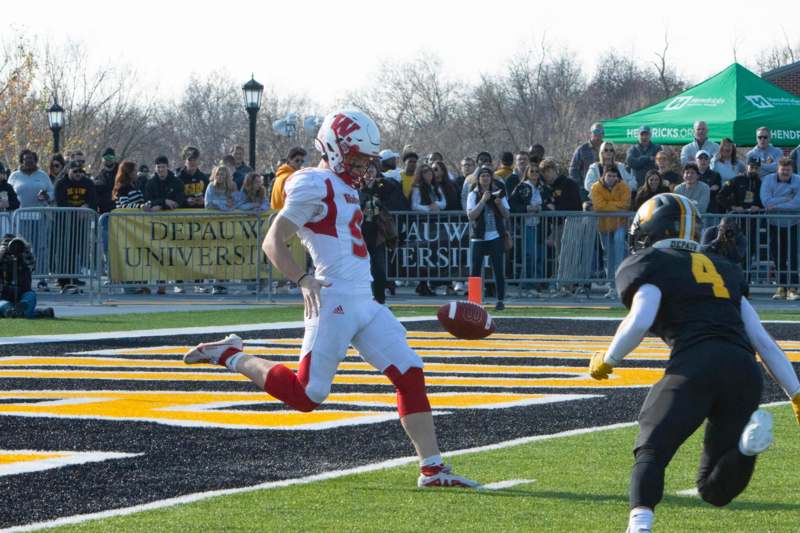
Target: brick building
{"x":786,"y":77}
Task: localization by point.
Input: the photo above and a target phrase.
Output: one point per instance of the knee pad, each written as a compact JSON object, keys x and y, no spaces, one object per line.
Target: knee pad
{"x":283,"y":384}
{"x":411,"y":395}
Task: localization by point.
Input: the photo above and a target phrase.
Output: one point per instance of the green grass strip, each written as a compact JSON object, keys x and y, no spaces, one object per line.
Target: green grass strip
{"x":581,"y":485}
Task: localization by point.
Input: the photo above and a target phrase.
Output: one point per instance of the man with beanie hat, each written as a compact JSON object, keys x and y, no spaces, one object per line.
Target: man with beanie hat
{"x":585,"y":155}
{"x":104,"y":181}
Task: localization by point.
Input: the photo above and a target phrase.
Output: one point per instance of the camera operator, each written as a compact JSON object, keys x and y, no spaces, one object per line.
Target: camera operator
{"x":17,"y":263}
{"x":726,"y":240}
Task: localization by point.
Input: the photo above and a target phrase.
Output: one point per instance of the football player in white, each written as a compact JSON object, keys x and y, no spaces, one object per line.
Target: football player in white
{"x":322,"y":207}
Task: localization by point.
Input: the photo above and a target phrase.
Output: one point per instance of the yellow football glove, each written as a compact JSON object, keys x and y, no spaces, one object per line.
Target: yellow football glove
{"x":598,"y":368}
{"x":796,"y":406}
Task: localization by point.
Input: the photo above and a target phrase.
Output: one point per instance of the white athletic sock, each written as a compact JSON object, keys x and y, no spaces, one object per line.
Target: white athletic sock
{"x":232,"y":360}
{"x":641,"y":519}
{"x":433,"y":460}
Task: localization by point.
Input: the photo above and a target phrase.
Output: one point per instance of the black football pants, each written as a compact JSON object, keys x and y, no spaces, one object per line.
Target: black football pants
{"x":713,"y":380}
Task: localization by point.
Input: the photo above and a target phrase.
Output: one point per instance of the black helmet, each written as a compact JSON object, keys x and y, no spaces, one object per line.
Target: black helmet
{"x":664,"y":216}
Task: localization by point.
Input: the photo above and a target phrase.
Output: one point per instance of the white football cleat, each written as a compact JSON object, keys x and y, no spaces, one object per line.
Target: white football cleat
{"x":210,"y":352}
{"x":757,"y":434}
{"x":442,"y":476}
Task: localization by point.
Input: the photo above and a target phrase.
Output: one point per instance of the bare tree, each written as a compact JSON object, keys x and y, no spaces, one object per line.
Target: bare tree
{"x":778,"y":55}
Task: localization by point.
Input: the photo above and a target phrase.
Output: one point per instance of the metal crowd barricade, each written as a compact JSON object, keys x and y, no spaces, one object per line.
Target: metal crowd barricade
{"x":62,"y":240}
{"x":5,"y":222}
{"x":549,"y":248}
{"x":556,"y":249}
{"x":147,"y":248}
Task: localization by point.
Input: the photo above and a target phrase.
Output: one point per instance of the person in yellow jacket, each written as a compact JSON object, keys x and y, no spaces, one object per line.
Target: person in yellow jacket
{"x":297,"y":156}
{"x":611,"y":194}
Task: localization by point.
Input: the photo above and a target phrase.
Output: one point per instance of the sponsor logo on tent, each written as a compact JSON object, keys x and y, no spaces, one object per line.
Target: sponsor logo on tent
{"x":759,"y":101}
{"x":678,"y":103}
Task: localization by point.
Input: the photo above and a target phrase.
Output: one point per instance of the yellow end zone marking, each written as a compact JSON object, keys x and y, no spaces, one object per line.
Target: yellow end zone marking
{"x":12,"y":456}
{"x":572,"y":377}
{"x":216,"y":409}
{"x":100,"y":362}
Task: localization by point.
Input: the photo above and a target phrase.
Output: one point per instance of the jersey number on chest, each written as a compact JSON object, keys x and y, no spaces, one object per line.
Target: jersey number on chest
{"x":359,"y":246}
{"x":704,"y":271}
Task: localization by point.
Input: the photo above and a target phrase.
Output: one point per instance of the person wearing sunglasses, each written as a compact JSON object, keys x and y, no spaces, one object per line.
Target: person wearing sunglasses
{"x":768,"y":155}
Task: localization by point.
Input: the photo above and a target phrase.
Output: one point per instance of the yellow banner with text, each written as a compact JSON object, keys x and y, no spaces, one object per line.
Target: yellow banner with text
{"x":191,"y":244}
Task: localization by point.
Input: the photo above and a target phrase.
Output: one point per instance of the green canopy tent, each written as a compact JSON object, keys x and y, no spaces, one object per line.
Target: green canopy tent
{"x":734,"y":103}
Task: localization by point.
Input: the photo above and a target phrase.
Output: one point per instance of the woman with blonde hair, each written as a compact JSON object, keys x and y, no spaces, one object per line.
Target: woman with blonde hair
{"x":220,"y":190}
{"x":607,"y":154}
{"x":726,"y":163}
{"x":253,"y":196}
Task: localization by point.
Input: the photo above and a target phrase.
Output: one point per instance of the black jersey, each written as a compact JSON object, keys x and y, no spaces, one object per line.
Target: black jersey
{"x":700,"y":295}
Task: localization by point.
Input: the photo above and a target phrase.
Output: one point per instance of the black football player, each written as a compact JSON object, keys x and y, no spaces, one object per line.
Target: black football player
{"x":696,"y":302}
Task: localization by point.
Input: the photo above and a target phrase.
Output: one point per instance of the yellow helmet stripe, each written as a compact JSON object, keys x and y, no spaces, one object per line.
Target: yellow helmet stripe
{"x":682,"y":206}
{"x":687,"y":218}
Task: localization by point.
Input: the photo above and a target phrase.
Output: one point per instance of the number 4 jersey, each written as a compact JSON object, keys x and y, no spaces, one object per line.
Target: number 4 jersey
{"x":700,"y":295}
{"x":326,"y":209}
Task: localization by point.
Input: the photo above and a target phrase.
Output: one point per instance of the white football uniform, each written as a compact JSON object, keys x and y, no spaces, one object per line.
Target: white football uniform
{"x":326,"y":210}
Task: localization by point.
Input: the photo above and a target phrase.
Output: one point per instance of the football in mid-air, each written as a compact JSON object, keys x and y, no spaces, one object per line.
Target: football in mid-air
{"x":465,"y":320}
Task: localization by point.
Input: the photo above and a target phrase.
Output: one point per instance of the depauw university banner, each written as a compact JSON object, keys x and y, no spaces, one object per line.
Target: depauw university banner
{"x":190,"y":244}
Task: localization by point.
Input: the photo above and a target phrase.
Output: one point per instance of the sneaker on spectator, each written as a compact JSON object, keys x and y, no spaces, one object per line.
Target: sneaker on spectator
{"x":792,"y":295}
{"x":219,"y":290}
{"x":499,"y":306}
{"x":161,"y":290}
{"x":42,"y":286}
{"x":780,"y":294}
{"x":611,"y":294}
{"x":201,"y":290}
{"x":459,"y":287}
{"x":177,"y":290}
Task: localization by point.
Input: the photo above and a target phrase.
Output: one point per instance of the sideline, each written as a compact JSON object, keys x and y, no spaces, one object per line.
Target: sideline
{"x":400,"y":461}
{"x":391,"y":463}
{"x":234,"y":328}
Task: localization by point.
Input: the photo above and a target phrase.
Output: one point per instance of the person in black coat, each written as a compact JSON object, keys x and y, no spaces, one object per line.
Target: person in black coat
{"x":164,"y":191}
{"x":8,"y":198}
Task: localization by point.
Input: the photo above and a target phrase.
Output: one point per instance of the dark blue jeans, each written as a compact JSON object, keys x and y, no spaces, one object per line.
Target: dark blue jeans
{"x":495,"y":250}
{"x":26,"y":298}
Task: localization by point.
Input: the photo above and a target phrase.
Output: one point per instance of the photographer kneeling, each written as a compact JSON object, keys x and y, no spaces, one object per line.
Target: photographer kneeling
{"x":726,"y":240}
{"x":17,"y":300}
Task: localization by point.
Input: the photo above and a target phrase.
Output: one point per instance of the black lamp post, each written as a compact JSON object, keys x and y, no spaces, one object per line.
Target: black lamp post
{"x":252,"y":103}
{"x":55,"y":116}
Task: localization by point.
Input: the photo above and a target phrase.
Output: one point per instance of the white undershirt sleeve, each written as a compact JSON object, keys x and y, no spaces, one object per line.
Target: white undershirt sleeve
{"x":635,"y":326}
{"x":771,"y":354}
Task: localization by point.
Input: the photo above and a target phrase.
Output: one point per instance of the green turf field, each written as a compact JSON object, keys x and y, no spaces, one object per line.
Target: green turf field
{"x":271,"y":313}
{"x":580,"y":485}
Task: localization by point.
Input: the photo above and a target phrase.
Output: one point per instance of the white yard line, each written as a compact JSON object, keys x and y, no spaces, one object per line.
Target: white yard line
{"x":189,"y":498}
{"x":201,"y":330}
{"x":507,"y":484}
{"x":400,"y":461}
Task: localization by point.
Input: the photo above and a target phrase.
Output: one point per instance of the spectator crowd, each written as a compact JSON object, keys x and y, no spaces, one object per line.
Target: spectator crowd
{"x":515,"y":190}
